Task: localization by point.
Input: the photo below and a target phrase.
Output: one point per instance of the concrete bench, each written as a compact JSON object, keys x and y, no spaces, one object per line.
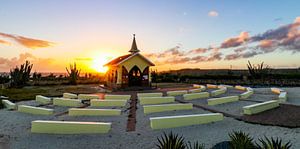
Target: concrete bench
{"x":218,"y":92}
{"x":197,"y":90}
{"x":246,"y":95}
{"x":166,"y":107}
{"x":238,"y":87}
{"x":282,"y":97}
{"x":117,"y":97}
{"x":69,"y":127}
{"x":139,"y":95}
{"x":156,"y":100}
{"x":35,"y":110}
{"x":184,"y":120}
{"x":176,"y":93}
{"x":195,"y":96}
{"x":201,"y":87}
{"x":249,"y":89}
{"x":276,"y":90}
{"x":260,"y":107}
{"x":42,"y":99}
{"x":211,"y":86}
{"x":223,"y":85}
{"x":88,"y":96}
{"x":93,"y":112}
{"x":70,"y":95}
{"x":221,"y":100}
{"x":9,"y":105}
{"x":67,"y":102}
{"x":108,"y":103}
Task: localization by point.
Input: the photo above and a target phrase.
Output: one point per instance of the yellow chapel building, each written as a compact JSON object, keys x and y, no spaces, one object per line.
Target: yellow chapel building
{"x":131,"y":70}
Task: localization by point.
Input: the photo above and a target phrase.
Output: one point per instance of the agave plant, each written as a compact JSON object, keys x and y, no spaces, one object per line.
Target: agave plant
{"x":273,"y":143}
{"x":20,"y":75}
{"x":194,"y":145}
{"x":171,"y":141}
{"x":73,"y":74}
{"x":241,"y":140}
{"x":258,"y":71}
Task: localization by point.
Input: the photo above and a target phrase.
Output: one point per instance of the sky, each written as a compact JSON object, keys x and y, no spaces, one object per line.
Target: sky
{"x":206,"y":34}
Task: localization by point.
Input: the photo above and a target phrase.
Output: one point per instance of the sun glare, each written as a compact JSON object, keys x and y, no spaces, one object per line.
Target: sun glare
{"x":98,"y":63}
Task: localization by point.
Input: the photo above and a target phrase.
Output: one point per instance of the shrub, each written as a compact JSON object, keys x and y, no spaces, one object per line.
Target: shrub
{"x":273,"y":144}
{"x":241,"y":140}
{"x":194,"y":145}
{"x":73,"y":74}
{"x":171,"y":141}
{"x":20,"y":76}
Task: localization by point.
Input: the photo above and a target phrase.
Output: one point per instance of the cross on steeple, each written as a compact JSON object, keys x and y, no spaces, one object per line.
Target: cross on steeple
{"x":134,"y":48}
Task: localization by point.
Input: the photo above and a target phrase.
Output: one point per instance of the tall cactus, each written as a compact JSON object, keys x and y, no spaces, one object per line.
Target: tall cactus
{"x":73,"y":74}
{"x":258,"y":71}
{"x":20,"y":76}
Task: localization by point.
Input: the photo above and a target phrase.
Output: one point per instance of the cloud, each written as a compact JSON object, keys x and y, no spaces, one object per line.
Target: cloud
{"x":4,"y":42}
{"x":235,"y":41}
{"x":28,"y":42}
{"x":213,"y":13}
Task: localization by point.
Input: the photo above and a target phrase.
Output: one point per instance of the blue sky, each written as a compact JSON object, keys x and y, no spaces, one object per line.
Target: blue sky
{"x":81,"y":29}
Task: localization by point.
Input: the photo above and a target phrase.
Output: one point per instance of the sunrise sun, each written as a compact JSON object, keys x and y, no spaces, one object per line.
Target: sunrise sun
{"x":98,"y":63}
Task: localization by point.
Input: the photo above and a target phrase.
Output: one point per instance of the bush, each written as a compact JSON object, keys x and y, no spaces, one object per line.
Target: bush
{"x":73,"y":74}
{"x":173,"y":141}
{"x":273,"y":144}
{"x":241,"y":140}
{"x":20,"y":76}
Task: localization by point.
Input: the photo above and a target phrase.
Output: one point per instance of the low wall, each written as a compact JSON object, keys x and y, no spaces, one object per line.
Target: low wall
{"x":166,"y":107}
{"x":221,"y":100}
{"x":156,"y":100}
{"x":195,"y":96}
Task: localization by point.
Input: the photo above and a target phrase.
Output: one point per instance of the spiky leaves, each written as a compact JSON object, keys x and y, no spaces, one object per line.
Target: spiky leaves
{"x":171,"y":141}
{"x":20,"y":75}
{"x":241,"y":140}
{"x":273,"y":144}
{"x":73,"y":74}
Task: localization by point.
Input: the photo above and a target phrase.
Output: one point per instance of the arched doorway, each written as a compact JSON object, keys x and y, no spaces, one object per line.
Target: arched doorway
{"x":135,"y":77}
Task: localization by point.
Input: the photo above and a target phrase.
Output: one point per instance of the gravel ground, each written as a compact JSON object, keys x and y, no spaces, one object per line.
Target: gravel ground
{"x":15,"y":128}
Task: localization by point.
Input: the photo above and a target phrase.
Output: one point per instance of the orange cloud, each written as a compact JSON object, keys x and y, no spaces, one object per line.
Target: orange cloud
{"x":235,"y":41}
{"x":28,"y":42}
{"x":4,"y":42}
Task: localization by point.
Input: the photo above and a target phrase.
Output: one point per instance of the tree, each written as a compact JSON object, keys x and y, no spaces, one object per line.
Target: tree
{"x":73,"y":74}
{"x":20,"y":75}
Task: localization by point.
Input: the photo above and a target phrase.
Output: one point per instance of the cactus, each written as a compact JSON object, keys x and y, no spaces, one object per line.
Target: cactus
{"x":73,"y":74}
{"x":258,"y":71}
{"x":20,"y":75}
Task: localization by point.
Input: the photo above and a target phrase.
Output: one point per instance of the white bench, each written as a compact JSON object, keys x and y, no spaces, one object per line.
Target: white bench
{"x":201,"y":87}
{"x":69,"y":127}
{"x":108,"y":103}
{"x":166,"y":107}
{"x":88,"y":96}
{"x":249,"y":89}
{"x":276,"y":90}
{"x":9,"y":105}
{"x":184,"y":120}
{"x":221,"y":100}
{"x":195,"y":96}
{"x":35,"y":110}
{"x":223,"y":85}
{"x":246,"y":95}
{"x":282,"y":97}
{"x":156,"y":100}
{"x":67,"y":102}
{"x":260,"y":107}
{"x":218,"y":92}
{"x":176,"y":93}
{"x":42,"y":99}
{"x":211,"y":86}
{"x":116,"y":97}
{"x":238,"y":87}
{"x":70,"y":95}
{"x":197,"y":90}
{"x":93,"y":112}
{"x":139,"y":95}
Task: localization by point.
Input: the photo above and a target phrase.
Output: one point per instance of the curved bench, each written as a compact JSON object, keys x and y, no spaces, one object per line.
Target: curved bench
{"x":139,"y":95}
{"x":221,"y":100}
{"x":211,"y":86}
{"x":88,"y":96}
{"x":238,"y":87}
{"x":260,"y":107}
{"x":276,"y":90}
{"x":93,"y":112}
{"x":196,"y":96}
{"x":218,"y":92}
{"x":108,"y":103}
{"x":42,"y":99}
{"x":282,"y":97}
{"x":116,"y":97}
{"x":69,"y":127}
{"x":184,"y":120}
{"x":9,"y":105}
{"x":176,"y":93}
{"x":246,"y":95}
{"x":226,"y":86}
{"x":35,"y":110}
{"x":67,"y":102}
{"x":156,"y":100}
{"x":70,"y":95}
{"x":197,"y":90}
{"x":201,"y":87}
{"x":166,"y":107}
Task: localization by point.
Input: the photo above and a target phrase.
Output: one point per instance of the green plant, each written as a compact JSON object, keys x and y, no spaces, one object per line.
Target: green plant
{"x":241,"y":140}
{"x":273,"y":143}
{"x":171,"y":141}
{"x":73,"y":74}
{"x":258,"y":71}
{"x":20,"y":75}
{"x":194,"y":145}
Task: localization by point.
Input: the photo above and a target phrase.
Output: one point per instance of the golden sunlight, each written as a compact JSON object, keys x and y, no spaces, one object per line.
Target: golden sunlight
{"x":98,"y":63}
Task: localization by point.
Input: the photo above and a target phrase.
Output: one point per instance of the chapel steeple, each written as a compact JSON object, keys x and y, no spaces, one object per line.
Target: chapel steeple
{"x":134,"y":48}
